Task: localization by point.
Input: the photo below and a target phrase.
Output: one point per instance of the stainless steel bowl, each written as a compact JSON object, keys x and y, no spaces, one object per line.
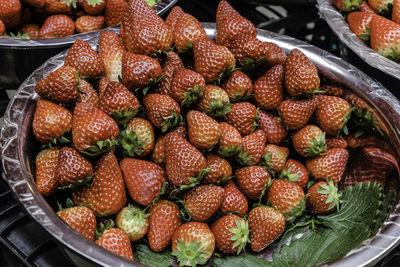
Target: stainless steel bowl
{"x":16,"y":152}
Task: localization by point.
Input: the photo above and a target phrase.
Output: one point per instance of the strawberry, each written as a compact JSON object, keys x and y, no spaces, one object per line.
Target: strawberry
{"x":87,"y":94}
{"x":238,"y":86}
{"x":81,"y":219}
{"x":231,"y":234}
{"x":60,"y":86}
{"x":34,"y":3}
{"x":193,"y":244}
{"x":10,"y":12}
{"x":93,"y":131}
{"x":360,"y":24}
{"x":330,"y":166}
{"x":385,"y":37}
{"x":50,"y":122}
{"x":116,"y":241}
{"x":172,"y":63}
{"x":252,"y":181}
{"x":234,"y":200}
{"x":113,"y":11}
{"x":215,"y":101}
{"x":272,"y":126}
{"x":383,"y":7}
{"x":173,"y":15}
{"x":286,"y":197}
{"x":57,"y":6}
{"x":158,"y":154}
{"x":93,"y":7}
{"x":202,"y":201}
{"x":162,"y":111}
{"x":366,"y":8}
{"x":252,"y":148}
{"x":3,"y":29}
{"x":347,"y":5}
{"x":243,"y":116}
{"x":138,"y":138}
{"x":32,"y":29}
{"x":119,"y":103}
{"x":323,"y":197}
{"x":211,"y":60}
{"x":163,"y":221}
{"x":268,"y":89}
{"x":220,"y":170}
{"x":139,"y":71}
{"x":266,"y":225}
{"x":332,"y":89}
{"x":144,"y":32}
{"x":301,"y":76}
{"x":275,"y":157}
{"x":187,"y":29}
{"x":296,"y":172}
{"x":143,"y":179}
{"x":396,"y":11}
{"x":45,"y":173}
{"x":72,"y":168}
{"x":333,"y":142}
{"x":187,"y":86}
{"x":296,"y":113}
{"x":103,"y":83}
{"x":106,"y":194}
{"x":204,"y":131}
{"x":57,"y":26}
{"x":133,"y":221}
{"x":183,"y":162}
{"x":230,"y":142}
{"x":230,"y":23}
{"x":333,"y":114}
{"x":89,"y":23}
{"x":309,"y":141}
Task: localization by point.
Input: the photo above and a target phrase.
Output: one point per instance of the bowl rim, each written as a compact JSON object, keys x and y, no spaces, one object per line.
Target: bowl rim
{"x":13,"y":143}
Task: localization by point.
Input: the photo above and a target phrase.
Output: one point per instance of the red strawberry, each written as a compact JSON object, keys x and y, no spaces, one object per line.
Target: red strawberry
{"x":45,"y":173}
{"x":81,"y":219}
{"x":275,"y":157}
{"x":3,"y":29}
{"x":252,"y":148}
{"x":162,"y":111}
{"x":238,"y":86}
{"x":323,"y":197}
{"x":266,"y":225}
{"x":87,"y":94}
{"x":396,"y":11}
{"x":106,"y":194}
{"x":220,"y":170}
{"x":138,"y":138}
{"x":139,"y":71}
{"x":333,"y":142}
{"x":173,"y":15}
{"x":252,"y":181}
{"x":366,"y":8}
{"x":172,"y":63}
{"x":119,"y":103}
{"x":385,"y":37}
{"x":72,"y":168}
{"x":204,"y":131}
{"x":296,"y":113}
{"x":215,"y":101}
{"x":57,"y":26}
{"x":202,"y":201}
{"x":103,"y":83}
{"x":32,"y":29}
{"x":230,"y":142}
{"x":231,"y":234}
{"x":89,"y":23}
{"x":243,"y":117}
{"x":144,"y":32}
{"x":143,"y":179}
{"x":93,"y":7}
{"x":10,"y":12}
{"x":164,"y":220}
{"x":34,"y":3}
{"x":330,"y":166}
{"x":230,"y":23}
{"x":57,"y":6}
{"x":113,"y":12}
{"x":301,"y":76}
{"x":347,"y":5}
{"x":133,"y":221}
{"x":268,"y":89}
{"x":60,"y":86}
{"x":332,"y":89}
{"x":50,"y":121}
{"x":187,"y":29}
{"x":333,"y":114}
{"x":272,"y":126}
{"x":234,"y":200}
{"x":82,"y":57}
{"x":309,"y":141}
{"x":211,"y":60}
{"x":93,"y":131}
{"x":117,"y":241}
{"x":360,"y":24}
{"x":296,"y":172}
{"x":187,"y":86}
{"x":287,"y":197}
{"x":383,"y":7}
{"x":183,"y":162}
{"x":193,"y":244}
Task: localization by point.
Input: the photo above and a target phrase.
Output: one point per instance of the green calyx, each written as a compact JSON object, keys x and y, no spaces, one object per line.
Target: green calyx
{"x":137,"y":215}
{"x":84,"y":181}
{"x":225,"y":74}
{"x":192,"y":95}
{"x":73,"y":3}
{"x":230,"y":151}
{"x":239,"y":98}
{"x":193,"y":181}
{"x":366,"y":36}
{"x":122,"y":117}
{"x":102,"y":227}
{"x":189,"y":254}
{"x":20,"y":35}
{"x":162,"y":192}
{"x":171,"y":121}
{"x":64,"y":139}
{"x":131,"y":143}
{"x":240,"y":234}
{"x":101,"y":147}
{"x":394,"y":55}
{"x":267,"y":164}
{"x":288,"y":175}
{"x":331,"y":190}
{"x":244,"y":159}
{"x":152,"y":82}
{"x":346,"y":118}
{"x":317,"y":147}
{"x":296,"y":211}
{"x":364,"y":120}
{"x":94,"y":2}
{"x":218,"y":108}
{"x":351,"y":5}
{"x":69,"y":203}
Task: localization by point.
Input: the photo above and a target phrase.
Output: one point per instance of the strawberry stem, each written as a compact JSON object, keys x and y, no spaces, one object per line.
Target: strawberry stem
{"x":240,"y":234}
{"x":317,"y":147}
{"x":131,"y":144}
{"x":189,"y":254}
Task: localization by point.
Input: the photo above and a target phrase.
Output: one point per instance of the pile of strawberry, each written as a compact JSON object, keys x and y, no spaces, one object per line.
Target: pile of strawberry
{"x":183,"y":146}
{"x":43,"y":19}
{"x":377,"y":23}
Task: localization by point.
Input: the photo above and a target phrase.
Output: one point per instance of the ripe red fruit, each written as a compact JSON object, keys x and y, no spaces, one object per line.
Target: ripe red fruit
{"x":334,"y":142}
{"x":275,"y":157}
{"x":385,"y":37}
{"x":187,"y":29}
{"x":138,"y":138}
{"x":323,"y":197}
{"x":396,"y":11}
{"x":234,"y":200}
{"x":215,"y":101}
{"x":360,"y":24}
{"x":220,"y":170}
{"x":3,"y":29}
{"x":296,"y":172}
{"x":133,"y":221}
{"x":81,"y":219}
{"x":87,"y":94}
{"x":45,"y":173}
{"x":173,"y":15}
{"x":238,"y":86}
{"x":243,"y":117}
{"x":114,"y":11}
{"x":296,"y":113}
{"x":89,"y":23}
{"x":93,"y":7}
{"x":117,"y":241}
{"x":32,"y":29}
{"x":172,"y":63}
{"x":381,"y":6}
{"x":252,"y":148}
{"x":309,"y":141}
{"x":252,"y":181}
{"x":268,"y":89}
{"x":57,"y":26}
{"x":204,"y":131}
{"x":272,"y":126}
{"x":10,"y":12}
{"x":111,"y":49}
{"x":187,"y":86}
{"x":230,"y":142}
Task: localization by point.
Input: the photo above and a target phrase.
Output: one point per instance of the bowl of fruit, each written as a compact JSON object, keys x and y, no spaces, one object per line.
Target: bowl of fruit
{"x":191,"y":143}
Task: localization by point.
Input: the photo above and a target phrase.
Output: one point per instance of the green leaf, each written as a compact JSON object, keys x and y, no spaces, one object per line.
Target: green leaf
{"x":153,"y":259}
{"x":246,"y":260}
